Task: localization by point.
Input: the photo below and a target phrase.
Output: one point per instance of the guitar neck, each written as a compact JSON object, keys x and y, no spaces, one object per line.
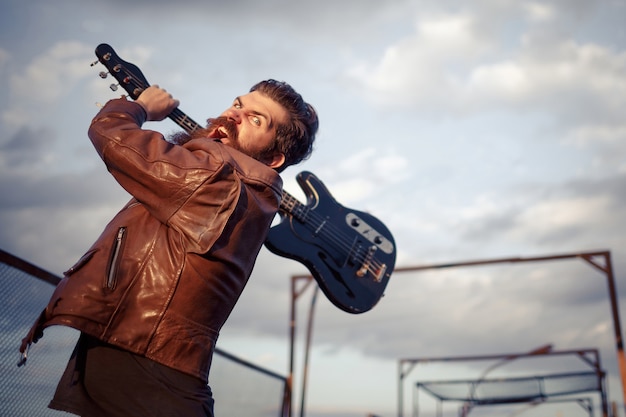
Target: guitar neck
{"x":288,"y":203}
{"x":184,"y":121}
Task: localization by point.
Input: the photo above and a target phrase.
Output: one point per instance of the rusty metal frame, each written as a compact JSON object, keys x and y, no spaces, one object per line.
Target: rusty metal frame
{"x":590,"y":357}
{"x":296,"y":291}
{"x":589,"y":257}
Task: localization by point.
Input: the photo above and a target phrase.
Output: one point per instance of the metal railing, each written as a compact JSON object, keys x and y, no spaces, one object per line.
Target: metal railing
{"x":240,"y":388}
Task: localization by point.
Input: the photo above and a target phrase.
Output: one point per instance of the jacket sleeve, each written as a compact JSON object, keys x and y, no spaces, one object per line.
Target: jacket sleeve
{"x":160,"y":175}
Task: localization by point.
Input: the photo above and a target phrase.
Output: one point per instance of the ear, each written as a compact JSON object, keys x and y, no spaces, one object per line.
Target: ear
{"x":276,"y":160}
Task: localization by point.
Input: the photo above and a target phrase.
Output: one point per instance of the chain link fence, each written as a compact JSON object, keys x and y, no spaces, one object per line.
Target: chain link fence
{"x":240,"y":388}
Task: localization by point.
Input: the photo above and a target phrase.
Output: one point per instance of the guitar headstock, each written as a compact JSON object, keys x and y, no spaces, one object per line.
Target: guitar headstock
{"x":127,"y":75}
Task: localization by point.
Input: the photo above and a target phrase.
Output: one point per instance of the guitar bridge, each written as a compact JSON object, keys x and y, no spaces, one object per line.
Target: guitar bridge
{"x":378,"y":271}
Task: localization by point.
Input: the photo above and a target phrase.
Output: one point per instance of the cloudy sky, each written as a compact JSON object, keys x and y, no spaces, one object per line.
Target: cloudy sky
{"x":473,"y":130}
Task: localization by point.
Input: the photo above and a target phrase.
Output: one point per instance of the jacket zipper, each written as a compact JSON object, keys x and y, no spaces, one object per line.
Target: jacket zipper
{"x":115,"y":258}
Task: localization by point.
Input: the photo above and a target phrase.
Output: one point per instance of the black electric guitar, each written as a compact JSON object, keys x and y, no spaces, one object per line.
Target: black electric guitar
{"x":351,"y":254}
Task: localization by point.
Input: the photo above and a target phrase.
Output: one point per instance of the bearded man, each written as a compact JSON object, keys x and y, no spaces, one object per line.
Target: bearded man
{"x":152,"y":293}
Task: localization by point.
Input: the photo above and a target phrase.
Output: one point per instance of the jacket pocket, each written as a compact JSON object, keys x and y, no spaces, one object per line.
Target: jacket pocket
{"x":115,"y":258}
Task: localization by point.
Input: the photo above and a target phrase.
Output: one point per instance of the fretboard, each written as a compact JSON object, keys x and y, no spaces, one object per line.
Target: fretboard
{"x":184,"y":121}
{"x":290,"y":205}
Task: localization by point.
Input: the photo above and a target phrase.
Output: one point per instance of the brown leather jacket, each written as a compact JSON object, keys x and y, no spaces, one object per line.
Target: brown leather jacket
{"x":167,"y":271}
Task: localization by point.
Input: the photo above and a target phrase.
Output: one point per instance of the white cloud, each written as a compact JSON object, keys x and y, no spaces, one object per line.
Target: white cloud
{"x":504,"y":80}
{"x":450,"y":64}
{"x":422,"y":68}
{"x":39,"y":88}
{"x":49,"y":75}
{"x":586,"y":135}
{"x":353,"y":189}
{"x":539,"y":11}
{"x":361,"y":175}
{"x":546,"y":217}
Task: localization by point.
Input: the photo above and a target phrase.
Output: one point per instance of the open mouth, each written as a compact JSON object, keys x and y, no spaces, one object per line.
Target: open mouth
{"x":221,"y":132}
{"x":218,"y":134}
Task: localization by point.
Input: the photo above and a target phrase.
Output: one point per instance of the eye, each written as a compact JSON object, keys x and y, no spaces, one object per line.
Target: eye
{"x":256,"y":120}
{"x":237,"y":105}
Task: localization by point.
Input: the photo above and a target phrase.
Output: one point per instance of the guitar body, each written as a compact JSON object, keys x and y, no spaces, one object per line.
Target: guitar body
{"x":351,"y":254}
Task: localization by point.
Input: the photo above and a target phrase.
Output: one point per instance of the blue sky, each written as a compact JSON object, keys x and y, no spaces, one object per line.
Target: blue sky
{"x":474,"y":130}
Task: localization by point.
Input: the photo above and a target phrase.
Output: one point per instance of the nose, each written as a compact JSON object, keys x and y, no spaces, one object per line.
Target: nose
{"x":233,"y":115}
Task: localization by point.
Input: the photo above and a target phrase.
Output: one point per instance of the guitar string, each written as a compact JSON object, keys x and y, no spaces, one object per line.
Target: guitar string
{"x":177,"y":115}
{"x":340,"y":239}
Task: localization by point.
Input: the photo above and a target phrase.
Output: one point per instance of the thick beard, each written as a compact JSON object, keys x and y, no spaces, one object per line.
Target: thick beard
{"x":180,"y":138}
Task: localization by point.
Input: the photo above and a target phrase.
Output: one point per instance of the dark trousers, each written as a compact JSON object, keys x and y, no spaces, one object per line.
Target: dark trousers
{"x":104,"y":381}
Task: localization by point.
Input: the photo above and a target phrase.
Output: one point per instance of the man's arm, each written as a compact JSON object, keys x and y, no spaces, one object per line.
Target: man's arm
{"x":159,"y":174}
{"x":157,"y":103}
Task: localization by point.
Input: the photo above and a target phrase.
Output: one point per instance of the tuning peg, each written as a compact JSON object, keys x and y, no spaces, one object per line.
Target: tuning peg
{"x":103,"y":74}
{"x":113,"y":87}
{"x":94,"y":63}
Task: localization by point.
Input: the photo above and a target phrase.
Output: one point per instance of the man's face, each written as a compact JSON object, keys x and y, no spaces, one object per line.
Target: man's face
{"x":249,"y":125}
